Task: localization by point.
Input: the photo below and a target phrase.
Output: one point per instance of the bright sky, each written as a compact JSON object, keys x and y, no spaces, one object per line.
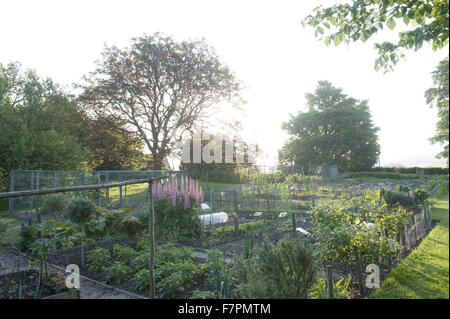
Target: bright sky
{"x":264,"y":44}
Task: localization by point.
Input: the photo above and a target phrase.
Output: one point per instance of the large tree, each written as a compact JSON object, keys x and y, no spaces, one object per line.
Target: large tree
{"x":438,"y":96}
{"x":38,"y":123}
{"x":336,"y":130}
{"x":427,"y":22}
{"x":159,"y":87}
{"x":112,"y":146}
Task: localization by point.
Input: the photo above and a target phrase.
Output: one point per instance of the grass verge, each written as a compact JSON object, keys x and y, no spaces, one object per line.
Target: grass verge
{"x":424,"y":274}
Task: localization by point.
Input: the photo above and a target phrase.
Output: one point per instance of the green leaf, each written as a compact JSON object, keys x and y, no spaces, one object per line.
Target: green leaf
{"x":337,"y":39}
{"x":406,"y":20}
{"x":391,"y":23}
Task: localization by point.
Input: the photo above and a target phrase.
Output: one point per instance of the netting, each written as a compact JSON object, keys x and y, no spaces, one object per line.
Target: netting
{"x":115,"y":197}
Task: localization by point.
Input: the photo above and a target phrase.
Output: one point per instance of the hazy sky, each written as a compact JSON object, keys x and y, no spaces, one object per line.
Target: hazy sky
{"x":263,"y":42}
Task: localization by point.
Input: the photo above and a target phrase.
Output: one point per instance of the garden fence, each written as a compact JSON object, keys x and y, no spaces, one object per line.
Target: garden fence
{"x":132,"y":195}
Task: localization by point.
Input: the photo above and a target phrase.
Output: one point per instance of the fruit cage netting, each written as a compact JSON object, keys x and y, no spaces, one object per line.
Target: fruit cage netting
{"x":115,"y":197}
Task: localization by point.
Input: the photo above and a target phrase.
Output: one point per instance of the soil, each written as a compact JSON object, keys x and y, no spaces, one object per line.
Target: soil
{"x":23,"y":284}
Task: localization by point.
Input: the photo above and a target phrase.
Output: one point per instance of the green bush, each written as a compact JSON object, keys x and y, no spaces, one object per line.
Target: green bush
{"x":81,"y":210}
{"x":420,"y":196}
{"x":393,"y":198}
{"x":55,"y":205}
{"x":286,"y":269}
{"x":170,"y":220}
{"x":403,"y":188}
{"x":66,"y":234}
{"x":117,"y":272}
{"x":99,"y":259}
{"x":173,"y":278}
{"x":125,"y":254}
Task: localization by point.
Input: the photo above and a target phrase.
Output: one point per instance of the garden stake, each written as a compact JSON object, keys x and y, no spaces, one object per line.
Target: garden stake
{"x":330,"y":282}
{"x":151,"y":213}
{"x":359,"y":271}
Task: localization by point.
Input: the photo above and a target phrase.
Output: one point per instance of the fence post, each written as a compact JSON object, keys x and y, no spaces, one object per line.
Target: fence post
{"x":359,"y":271}
{"x":330,"y":282}
{"x":83,"y":181}
{"x":236,"y":214}
{"x":151,"y":213}
{"x":120,"y":190}
{"x":107,"y":188}
{"x":11,"y":189}
{"x":38,"y":216}
{"x":31,"y":187}
{"x":99,"y":193}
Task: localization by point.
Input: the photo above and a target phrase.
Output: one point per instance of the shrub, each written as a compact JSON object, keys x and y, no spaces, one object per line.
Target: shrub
{"x":174,"y":278}
{"x":403,"y":188}
{"x":66,"y":234}
{"x":171,"y":278}
{"x":124,"y":254}
{"x":420,"y":196}
{"x":99,"y":259}
{"x":393,"y":198}
{"x":81,"y":210}
{"x":176,"y":219}
{"x":55,"y":205}
{"x":117,"y":272}
{"x":131,"y":225}
{"x":283,"y":270}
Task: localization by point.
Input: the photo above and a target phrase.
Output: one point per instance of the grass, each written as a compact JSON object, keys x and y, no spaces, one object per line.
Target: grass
{"x":425,"y":272}
{"x":11,"y":236}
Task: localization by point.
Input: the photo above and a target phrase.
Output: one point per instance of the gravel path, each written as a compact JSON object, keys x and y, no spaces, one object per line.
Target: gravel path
{"x":11,"y":262}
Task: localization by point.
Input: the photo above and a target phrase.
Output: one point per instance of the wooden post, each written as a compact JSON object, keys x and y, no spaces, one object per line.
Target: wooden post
{"x":120,"y":191}
{"x":99,"y":193}
{"x":359,"y":271}
{"x":55,"y":179}
{"x":32,"y":188}
{"x":330,"y":283}
{"x":294,"y":223}
{"x":236,"y":216}
{"x":107,"y":189}
{"x":82,"y":245}
{"x":37,"y":187}
{"x":151,"y":213}
{"x":83,"y":182}
{"x":11,"y":189}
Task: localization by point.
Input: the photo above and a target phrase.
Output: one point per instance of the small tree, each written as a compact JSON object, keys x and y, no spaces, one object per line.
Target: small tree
{"x":283,"y":270}
{"x":81,"y":211}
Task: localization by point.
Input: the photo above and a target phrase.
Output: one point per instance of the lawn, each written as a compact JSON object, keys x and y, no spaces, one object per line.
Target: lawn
{"x":11,"y":236}
{"x":425,"y":272}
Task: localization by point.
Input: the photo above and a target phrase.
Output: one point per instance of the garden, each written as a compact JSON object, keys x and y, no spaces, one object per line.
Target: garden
{"x":279,"y":236}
